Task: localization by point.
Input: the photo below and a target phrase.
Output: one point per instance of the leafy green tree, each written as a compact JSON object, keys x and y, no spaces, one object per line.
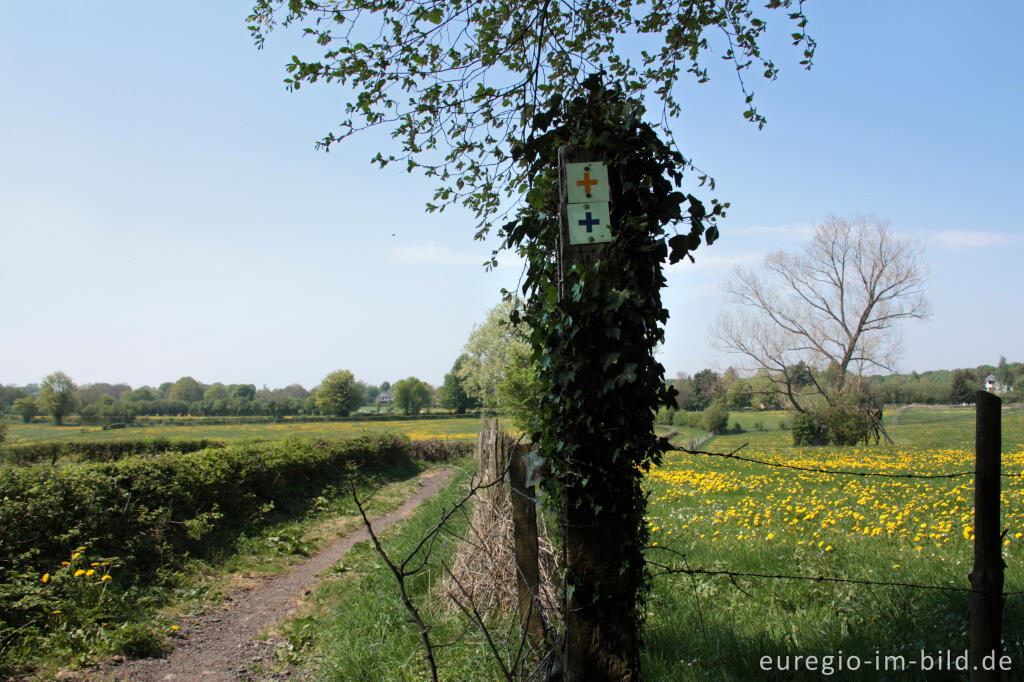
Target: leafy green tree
{"x":411,"y":395}
{"x":339,"y":395}
{"x":8,"y":394}
{"x":1004,"y":373}
{"x":960,"y":392}
{"x":244,"y":392}
{"x":27,"y":408}
{"x":217,"y":391}
{"x":185,"y":389}
{"x":140,"y":394}
{"x":707,"y":386}
{"x":457,"y":83}
{"x":715,"y":417}
{"x":453,"y":394}
{"x":495,"y":347}
{"x":57,"y":396}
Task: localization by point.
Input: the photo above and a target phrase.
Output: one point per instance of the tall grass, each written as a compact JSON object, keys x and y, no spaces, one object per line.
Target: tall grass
{"x":359,"y":630}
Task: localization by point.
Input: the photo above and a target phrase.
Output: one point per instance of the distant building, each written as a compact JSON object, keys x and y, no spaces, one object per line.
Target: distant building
{"x":386,"y":397}
{"x":992,"y":385}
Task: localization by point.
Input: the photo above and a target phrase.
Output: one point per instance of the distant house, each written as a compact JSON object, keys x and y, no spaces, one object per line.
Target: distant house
{"x":385,"y":397}
{"x":992,"y":385}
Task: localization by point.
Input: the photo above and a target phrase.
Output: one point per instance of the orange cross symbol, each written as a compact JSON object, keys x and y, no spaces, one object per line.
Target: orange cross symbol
{"x":586,"y":182}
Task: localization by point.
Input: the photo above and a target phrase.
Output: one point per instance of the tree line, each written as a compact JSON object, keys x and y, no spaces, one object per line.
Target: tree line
{"x":58,"y":397}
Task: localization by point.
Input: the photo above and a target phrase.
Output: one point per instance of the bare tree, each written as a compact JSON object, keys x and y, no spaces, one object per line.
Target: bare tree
{"x":835,"y":308}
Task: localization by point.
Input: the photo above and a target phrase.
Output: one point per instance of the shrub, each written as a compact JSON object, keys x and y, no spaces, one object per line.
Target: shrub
{"x":688,"y":419}
{"x":805,"y":431}
{"x":151,"y":511}
{"x":830,"y":426}
{"x":665,"y":416}
{"x":105,"y":451}
{"x":715,"y":417}
{"x":437,"y":450}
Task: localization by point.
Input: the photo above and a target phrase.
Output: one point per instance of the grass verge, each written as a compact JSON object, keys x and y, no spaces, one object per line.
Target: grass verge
{"x":356,"y":627}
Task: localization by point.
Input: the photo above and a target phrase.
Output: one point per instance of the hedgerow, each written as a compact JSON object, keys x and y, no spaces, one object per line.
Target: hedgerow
{"x":103,"y":451}
{"x":142,"y":514}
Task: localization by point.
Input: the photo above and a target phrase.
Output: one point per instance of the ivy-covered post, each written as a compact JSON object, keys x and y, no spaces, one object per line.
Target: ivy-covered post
{"x":604,"y":567}
{"x":596,"y":314}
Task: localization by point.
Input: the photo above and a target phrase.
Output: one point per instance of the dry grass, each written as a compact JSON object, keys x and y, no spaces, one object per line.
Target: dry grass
{"x":483,"y":569}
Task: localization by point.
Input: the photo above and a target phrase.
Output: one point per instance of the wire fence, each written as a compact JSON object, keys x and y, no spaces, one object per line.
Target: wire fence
{"x":821,"y":578}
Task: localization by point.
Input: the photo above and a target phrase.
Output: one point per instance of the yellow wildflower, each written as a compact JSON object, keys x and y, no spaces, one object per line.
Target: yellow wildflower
{"x":105,"y":578}
{"x":76,"y":555}
{"x":79,"y":573}
{"x":55,"y":612}
{"x":65,"y":563}
{"x":46,"y":577}
{"x":89,"y":572}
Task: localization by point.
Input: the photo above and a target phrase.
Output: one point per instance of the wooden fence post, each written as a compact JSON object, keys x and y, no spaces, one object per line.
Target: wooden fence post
{"x":492,"y":457}
{"x":987,"y":576}
{"x":524,"y":533}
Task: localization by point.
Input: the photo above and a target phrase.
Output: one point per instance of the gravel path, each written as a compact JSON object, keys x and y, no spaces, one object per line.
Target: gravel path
{"x":221,"y":645}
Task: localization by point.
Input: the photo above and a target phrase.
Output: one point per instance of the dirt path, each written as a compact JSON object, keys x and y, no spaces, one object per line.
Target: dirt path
{"x":221,"y":645}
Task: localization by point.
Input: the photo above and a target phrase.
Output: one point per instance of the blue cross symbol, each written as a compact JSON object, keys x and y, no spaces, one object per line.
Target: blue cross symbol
{"x":589,"y":222}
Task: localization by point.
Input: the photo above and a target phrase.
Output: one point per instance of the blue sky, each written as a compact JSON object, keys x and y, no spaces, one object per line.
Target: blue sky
{"x":163,"y":212}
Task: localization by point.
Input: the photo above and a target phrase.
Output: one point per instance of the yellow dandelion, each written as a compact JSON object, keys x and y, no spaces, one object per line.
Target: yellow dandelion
{"x":81,"y":549}
{"x":46,"y":577}
{"x":174,"y":627}
{"x":79,"y":573}
{"x":55,"y":612}
{"x":105,"y":578}
{"x":76,"y":555}
{"x":65,"y":563}
{"x":95,"y":563}
{"x":89,"y":572}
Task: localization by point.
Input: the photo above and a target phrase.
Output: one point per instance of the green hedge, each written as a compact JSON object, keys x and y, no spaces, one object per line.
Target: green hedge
{"x":103,"y":451}
{"x":139,"y":517}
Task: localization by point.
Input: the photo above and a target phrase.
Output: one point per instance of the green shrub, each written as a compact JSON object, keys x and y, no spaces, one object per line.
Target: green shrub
{"x":715,"y":417}
{"x":830,"y":426}
{"x":438,"y":450}
{"x":688,"y":419}
{"x":149,"y":513}
{"x":665,"y":416}
{"x":805,"y":430}
{"x":104,"y":451}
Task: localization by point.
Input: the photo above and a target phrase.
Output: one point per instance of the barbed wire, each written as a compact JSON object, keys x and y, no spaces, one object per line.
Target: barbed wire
{"x":670,"y":570}
{"x":820,"y":470}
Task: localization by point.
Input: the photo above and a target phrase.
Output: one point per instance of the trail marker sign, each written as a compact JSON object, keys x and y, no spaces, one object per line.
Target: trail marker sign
{"x":585,"y":201}
{"x":588,"y":223}
{"x":587,"y":182}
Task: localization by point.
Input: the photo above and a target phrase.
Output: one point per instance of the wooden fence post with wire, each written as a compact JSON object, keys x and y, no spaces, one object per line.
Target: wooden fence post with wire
{"x":987,"y":575}
{"x":499,"y":451}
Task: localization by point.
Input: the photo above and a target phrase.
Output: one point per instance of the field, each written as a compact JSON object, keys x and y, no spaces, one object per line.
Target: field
{"x":416,"y":429}
{"x":749,"y":518}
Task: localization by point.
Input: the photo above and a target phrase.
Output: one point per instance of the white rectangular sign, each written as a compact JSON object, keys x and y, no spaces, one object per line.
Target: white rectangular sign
{"x":586,"y":182}
{"x":589,"y":223}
